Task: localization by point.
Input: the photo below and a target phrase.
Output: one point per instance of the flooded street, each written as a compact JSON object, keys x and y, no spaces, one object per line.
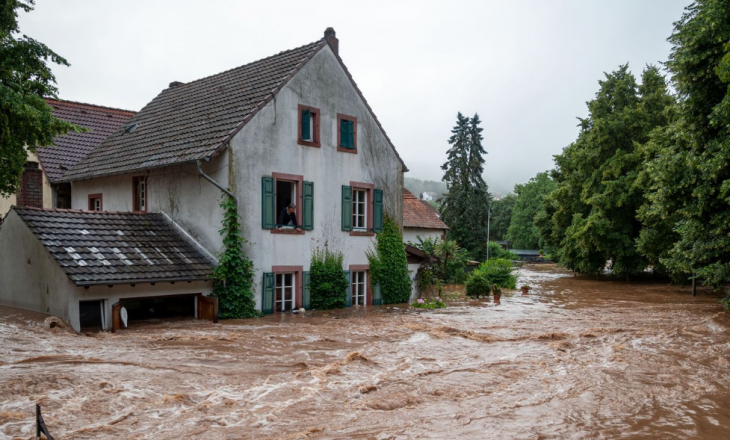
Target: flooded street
{"x":575,"y":358}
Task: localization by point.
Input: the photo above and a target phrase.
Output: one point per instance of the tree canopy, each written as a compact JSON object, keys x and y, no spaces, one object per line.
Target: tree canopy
{"x":26,"y":120}
{"x":522,"y":231}
{"x":501,"y":216}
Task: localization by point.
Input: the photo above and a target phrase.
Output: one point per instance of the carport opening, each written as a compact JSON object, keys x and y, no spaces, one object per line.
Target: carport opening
{"x":91,"y":315}
{"x":159,"y":308}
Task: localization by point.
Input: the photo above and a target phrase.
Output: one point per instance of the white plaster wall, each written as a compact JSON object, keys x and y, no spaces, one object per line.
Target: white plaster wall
{"x":413,"y":271}
{"x":113,"y":294}
{"x":268,"y":144}
{"x":29,"y":276}
{"x":410,"y":235}
{"x":191,"y":201}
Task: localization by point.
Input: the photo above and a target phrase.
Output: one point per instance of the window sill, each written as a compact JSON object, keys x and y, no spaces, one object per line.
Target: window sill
{"x":362,"y":234}
{"x":287,"y":231}
{"x":309,"y":144}
{"x":347,"y":150}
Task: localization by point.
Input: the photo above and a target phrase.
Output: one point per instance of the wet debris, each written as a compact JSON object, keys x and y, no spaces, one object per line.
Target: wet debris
{"x":367,"y":389}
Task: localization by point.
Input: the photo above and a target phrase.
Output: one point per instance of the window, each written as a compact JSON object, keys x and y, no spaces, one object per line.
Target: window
{"x":359,"y":288}
{"x":308,"y":127}
{"x":278,"y":191}
{"x":95,"y":202}
{"x":359,"y":209}
{"x":139,"y":186}
{"x":346,"y":133}
{"x":284,"y":292}
{"x":286,"y":193}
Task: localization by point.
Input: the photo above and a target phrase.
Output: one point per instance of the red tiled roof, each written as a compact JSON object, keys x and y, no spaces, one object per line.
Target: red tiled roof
{"x":188,"y":122}
{"x":71,"y":148}
{"x":419,"y":214}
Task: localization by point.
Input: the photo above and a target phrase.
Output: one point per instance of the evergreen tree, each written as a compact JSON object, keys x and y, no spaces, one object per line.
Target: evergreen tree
{"x":465,"y":207}
{"x":26,"y":120}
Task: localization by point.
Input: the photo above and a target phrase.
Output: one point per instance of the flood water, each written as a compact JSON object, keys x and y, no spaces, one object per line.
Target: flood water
{"x":575,"y":358}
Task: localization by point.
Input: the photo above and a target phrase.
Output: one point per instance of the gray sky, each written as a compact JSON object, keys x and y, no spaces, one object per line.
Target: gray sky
{"x":527,"y":67}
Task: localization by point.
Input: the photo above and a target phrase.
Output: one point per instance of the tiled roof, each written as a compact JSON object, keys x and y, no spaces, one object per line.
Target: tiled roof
{"x":71,"y":148}
{"x":419,"y":214}
{"x":104,"y":248}
{"x":188,"y":122}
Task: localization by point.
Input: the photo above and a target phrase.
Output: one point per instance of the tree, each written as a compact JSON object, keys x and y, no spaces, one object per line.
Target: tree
{"x":522,"y":231}
{"x":465,"y":207}
{"x":501,"y":217}
{"x":689,"y":173}
{"x":26,"y":120}
{"x":591,"y":217}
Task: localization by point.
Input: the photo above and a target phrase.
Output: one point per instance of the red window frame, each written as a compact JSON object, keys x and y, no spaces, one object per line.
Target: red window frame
{"x":340,"y":117}
{"x":368,"y":290}
{"x":92,"y":197}
{"x":300,"y":185}
{"x":135,"y":202}
{"x":315,"y":126}
{"x":297,"y":270}
{"x":369,"y":188}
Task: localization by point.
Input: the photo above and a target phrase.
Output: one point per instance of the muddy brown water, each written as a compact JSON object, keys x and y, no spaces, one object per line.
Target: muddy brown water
{"x":575,"y":358}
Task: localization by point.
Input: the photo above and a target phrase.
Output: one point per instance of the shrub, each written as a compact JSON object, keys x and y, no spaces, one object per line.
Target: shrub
{"x":327,"y":282}
{"x":428,"y":303}
{"x":233,"y":276}
{"x":445,"y":262}
{"x":388,"y":264}
{"x":477,"y":284}
{"x":499,"y":272}
{"x":497,"y":252}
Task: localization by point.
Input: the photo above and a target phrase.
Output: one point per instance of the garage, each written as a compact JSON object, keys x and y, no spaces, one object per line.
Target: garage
{"x":129,"y":311}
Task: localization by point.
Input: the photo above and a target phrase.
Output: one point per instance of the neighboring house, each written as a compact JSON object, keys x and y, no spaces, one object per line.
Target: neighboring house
{"x":290,"y":128}
{"x":39,"y":186}
{"x":420,"y":219}
{"x":429,"y":196}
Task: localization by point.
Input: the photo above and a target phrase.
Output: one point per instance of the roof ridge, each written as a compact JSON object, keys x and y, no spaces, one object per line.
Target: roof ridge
{"x":78,"y":211}
{"x":86,"y":104}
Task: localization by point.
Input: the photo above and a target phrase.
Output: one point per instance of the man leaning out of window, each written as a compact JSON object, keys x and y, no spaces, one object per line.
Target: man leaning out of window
{"x":288,"y":218}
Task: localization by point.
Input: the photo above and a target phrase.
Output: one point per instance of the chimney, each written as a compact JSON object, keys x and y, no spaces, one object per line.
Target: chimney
{"x":329,"y":35}
{"x":175,"y":84}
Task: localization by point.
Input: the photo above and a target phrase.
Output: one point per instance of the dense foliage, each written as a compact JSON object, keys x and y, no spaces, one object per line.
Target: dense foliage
{"x":388,"y":264}
{"x":522,"y":232}
{"x":591,"y":217}
{"x":465,"y":207}
{"x":233,"y":277}
{"x":501,"y":217}
{"x":496,"y":251}
{"x":477,"y":284}
{"x":444,"y":263}
{"x":25,"y":80}
{"x":498,"y":272}
{"x":327,"y":282}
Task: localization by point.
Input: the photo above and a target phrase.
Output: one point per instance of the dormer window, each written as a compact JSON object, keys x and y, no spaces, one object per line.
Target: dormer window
{"x":308,"y":132}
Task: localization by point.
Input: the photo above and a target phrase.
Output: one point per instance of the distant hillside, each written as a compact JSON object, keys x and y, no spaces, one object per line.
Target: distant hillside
{"x":417,"y":186}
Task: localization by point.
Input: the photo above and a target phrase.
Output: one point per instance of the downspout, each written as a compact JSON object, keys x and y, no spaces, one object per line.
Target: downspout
{"x":216,"y":184}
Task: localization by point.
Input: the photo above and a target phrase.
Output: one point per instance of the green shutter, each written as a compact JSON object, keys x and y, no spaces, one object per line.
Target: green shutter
{"x":343,"y":133}
{"x":306,"y":133}
{"x":348,"y":299}
{"x":378,"y":210}
{"x":377,"y":295}
{"x":267,"y":296}
{"x":305,"y":290}
{"x":268,"y":215}
{"x":308,"y":206}
{"x":350,"y":134}
{"x":346,"y":208}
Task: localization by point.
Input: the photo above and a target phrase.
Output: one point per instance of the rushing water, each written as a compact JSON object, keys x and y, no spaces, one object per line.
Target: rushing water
{"x":575,"y":358}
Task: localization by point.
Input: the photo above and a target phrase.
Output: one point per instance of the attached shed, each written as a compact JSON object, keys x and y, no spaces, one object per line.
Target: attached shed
{"x":84,"y":266}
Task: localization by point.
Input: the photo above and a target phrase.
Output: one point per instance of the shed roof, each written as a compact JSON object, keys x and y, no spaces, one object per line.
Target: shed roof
{"x":69,"y":149}
{"x":193,"y":121}
{"x":420,"y":214}
{"x":104,"y":248}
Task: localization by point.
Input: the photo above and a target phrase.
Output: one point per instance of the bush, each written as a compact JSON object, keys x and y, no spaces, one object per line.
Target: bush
{"x":477,"y":284}
{"x":428,"y":303}
{"x":327,"y":282}
{"x":497,"y":252}
{"x":445,"y":262}
{"x":498,"y":272}
{"x":388,"y":264}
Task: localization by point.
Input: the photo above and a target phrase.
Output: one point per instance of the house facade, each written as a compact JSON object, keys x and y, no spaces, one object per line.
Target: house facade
{"x":291,"y":129}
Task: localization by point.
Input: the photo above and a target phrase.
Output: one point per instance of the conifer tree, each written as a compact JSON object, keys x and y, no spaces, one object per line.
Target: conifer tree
{"x":465,"y":207}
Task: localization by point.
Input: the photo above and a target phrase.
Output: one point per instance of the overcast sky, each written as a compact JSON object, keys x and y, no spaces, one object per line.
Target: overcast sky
{"x":527,"y":67}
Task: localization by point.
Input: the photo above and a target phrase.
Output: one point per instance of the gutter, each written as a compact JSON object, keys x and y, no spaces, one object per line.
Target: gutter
{"x":216,"y":184}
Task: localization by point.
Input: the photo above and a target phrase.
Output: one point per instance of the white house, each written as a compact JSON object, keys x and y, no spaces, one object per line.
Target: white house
{"x":291,"y":128}
{"x":420,"y":219}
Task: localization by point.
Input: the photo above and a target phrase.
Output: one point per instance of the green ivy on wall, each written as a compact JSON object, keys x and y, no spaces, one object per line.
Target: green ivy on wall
{"x":328,"y":284}
{"x":389,"y":265}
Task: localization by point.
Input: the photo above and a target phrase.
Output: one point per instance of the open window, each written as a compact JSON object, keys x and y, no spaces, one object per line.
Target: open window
{"x":96,"y":202}
{"x":308,"y":132}
{"x":286,"y":194}
{"x":346,"y":133}
{"x":139,"y":188}
{"x":278,"y":192}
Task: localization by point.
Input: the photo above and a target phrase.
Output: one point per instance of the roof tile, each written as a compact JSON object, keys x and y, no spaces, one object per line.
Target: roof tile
{"x":419,"y":214}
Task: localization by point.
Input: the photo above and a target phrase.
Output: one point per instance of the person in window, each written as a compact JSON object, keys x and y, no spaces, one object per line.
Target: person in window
{"x":288,"y":218}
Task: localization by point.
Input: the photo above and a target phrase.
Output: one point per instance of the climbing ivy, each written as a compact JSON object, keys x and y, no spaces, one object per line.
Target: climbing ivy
{"x":328,"y":284}
{"x":388,"y":264}
{"x":233,"y":277}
